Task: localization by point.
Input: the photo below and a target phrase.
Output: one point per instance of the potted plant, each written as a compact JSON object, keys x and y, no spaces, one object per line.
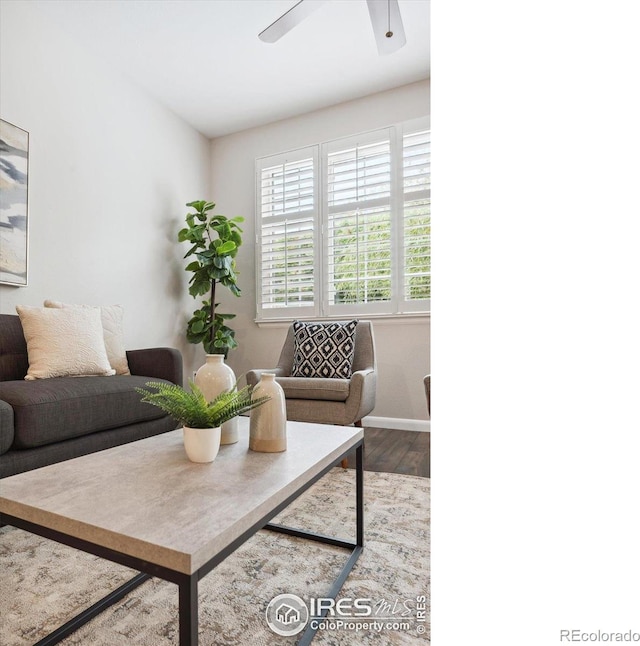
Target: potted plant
{"x":201,"y":419}
{"x":215,"y":240}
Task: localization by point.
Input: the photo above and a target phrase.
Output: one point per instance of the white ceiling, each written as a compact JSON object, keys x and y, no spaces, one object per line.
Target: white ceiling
{"x":204,"y":61}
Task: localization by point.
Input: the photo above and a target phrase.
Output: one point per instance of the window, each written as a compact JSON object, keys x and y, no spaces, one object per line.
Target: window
{"x":416,"y":217}
{"x":358,"y":223}
{"x":287,"y":196}
{"x":343,"y":228}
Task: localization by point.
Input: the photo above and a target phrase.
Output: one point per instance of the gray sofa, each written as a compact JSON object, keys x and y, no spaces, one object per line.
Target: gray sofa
{"x":51,"y":420}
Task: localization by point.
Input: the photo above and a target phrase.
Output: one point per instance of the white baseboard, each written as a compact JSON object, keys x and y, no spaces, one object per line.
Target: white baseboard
{"x":421,"y":425}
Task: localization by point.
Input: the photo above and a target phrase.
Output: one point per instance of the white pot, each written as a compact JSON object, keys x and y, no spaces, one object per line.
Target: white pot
{"x":201,"y":444}
{"x":212,"y":378}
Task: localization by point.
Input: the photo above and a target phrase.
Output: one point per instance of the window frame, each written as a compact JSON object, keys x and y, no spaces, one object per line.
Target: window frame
{"x":397,"y":306}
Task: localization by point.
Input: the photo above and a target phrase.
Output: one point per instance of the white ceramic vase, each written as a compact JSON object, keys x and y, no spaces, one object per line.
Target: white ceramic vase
{"x":201,"y":444}
{"x":212,"y":378}
{"x":268,"y":424}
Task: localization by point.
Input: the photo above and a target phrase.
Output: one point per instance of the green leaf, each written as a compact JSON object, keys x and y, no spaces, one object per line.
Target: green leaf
{"x":197,"y":232}
{"x":191,"y":251}
{"x":227,"y":247}
{"x":199,"y":287}
{"x":205,"y":261}
{"x":223,"y":230}
{"x":195,"y":338}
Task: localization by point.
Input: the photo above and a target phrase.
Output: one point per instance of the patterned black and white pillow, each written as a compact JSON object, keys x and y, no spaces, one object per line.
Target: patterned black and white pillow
{"x":324,"y":349}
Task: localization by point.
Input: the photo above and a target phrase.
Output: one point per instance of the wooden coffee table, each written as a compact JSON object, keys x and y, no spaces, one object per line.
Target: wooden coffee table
{"x":145,"y":506}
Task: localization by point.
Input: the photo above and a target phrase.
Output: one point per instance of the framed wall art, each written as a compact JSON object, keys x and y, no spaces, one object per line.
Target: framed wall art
{"x":14,"y":217}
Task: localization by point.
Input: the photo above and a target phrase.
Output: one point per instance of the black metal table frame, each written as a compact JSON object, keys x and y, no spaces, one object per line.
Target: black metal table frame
{"x":188,"y":583}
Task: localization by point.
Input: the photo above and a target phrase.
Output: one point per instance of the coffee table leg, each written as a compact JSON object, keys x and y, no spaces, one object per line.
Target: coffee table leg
{"x":360,"y":495}
{"x":188,"y":600}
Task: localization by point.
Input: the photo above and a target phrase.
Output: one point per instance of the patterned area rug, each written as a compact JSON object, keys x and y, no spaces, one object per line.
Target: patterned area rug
{"x":44,"y":584}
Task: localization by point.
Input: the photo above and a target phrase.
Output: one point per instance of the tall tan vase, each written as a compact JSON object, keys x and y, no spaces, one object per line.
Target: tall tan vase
{"x":212,"y":378}
{"x":268,"y":424}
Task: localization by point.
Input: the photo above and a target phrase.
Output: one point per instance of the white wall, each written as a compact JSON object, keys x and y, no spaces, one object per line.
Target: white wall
{"x":402,"y":346}
{"x":110,"y":171}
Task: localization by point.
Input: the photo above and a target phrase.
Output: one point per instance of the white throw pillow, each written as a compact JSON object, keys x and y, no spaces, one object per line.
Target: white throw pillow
{"x":113,"y":333}
{"x":63,"y":342}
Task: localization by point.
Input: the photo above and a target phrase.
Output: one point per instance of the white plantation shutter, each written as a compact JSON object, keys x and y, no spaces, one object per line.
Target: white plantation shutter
{"x":343,"y":228}
{"x":416,"y":220}
{"x":358,"y":222}
{"x":287,"y":208}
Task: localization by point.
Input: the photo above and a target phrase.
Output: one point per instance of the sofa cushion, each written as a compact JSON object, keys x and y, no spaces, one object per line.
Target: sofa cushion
{"x":323,"y":350}
{"x":51,"y":410}
{"x":335,"y":390}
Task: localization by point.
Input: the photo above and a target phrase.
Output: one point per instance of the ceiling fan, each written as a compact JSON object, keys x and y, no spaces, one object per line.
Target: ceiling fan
{"x":384,"y":14}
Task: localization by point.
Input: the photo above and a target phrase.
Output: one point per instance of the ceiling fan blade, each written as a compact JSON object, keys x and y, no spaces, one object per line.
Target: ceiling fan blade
{"x":385,"y":18}
{"x":289,"y":20}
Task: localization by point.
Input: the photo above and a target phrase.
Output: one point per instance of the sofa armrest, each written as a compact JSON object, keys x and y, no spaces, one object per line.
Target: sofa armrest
{"x":158,"y":363}
{"x":6,"y":427}
{"x":253,"y":376}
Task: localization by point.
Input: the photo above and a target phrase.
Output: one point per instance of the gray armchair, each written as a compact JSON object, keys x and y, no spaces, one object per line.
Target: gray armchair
{"x":328,"y":401}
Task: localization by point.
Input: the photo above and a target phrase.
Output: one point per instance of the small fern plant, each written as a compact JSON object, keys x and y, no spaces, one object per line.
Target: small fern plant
{"x":192,"y":409}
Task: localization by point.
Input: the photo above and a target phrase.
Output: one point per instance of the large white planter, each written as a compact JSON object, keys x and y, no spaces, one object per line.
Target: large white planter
{"x":201,"y":444}
{"x":212,"y":378}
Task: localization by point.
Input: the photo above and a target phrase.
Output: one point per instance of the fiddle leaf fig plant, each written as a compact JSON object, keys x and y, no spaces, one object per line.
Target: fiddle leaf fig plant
{"x":215,"y":240}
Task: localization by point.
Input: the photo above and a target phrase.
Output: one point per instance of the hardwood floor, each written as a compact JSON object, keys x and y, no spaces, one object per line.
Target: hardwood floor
{"x":393,"y":451}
